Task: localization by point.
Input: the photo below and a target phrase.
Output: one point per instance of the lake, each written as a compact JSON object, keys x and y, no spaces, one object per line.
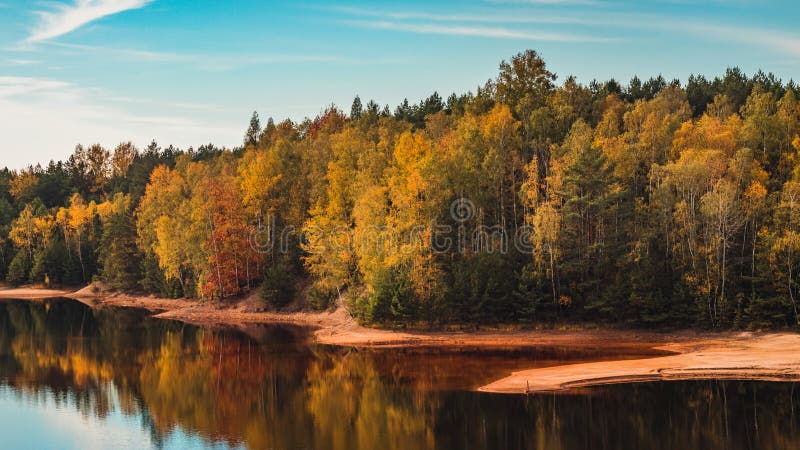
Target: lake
{"x":73,"y":377}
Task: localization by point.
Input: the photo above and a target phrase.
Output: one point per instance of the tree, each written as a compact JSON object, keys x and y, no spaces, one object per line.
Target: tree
{"x":761,"y":125}
{"x":356,"y":109}
{"x":588,"y":235}
{"x":166,"y":229}
{"x":502,"y":163}
{"x":120,"y":256}
{"x":22,"y":186}
{"x":524,"y":82}
{"x":124,"y":155}
{"x":76,"y":221}
{"x":30,"y":233}
{"x":649,"y":204}
{"x":228,"y":235}
{"x":720,"y":208}
{"x":785,"y":251}
{"x":413,"y":197}
{"x":98,"y":161}
{"x":253,"y":133}
{"x":331,"y":257}
{"x":23,"y":231}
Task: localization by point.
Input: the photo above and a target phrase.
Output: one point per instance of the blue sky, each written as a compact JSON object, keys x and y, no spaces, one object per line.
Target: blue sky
{"x":188,"y":72}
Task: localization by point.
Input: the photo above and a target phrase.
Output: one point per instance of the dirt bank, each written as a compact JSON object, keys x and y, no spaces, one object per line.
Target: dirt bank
{"x":338,"y":328}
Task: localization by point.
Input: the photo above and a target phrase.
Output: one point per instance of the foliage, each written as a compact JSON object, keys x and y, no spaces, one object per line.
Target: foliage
{"x":650,"y":204}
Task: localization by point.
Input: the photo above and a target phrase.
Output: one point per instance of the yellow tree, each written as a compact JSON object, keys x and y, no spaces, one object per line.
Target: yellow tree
{"x":546,"y":223}
{"x":414,"y":195}
{"x":544,"y":202}
{"x":706,"y":190}
{"x":259,"y":174}
{"x":761,"y":124}
{"x":720,"y":209}
{"x":79,"y":218}
{"x":99,"y":167}
{"x":502,"y":164}
{"x":331,"y":255}
{"x":785,"y":252}
{"x":22,"y":185}
{"x":166,"y":226}
{"x":23,"y":230}
{"x":122,"y":158}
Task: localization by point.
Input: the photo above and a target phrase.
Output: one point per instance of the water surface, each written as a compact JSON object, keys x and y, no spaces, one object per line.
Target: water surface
{"x":76,"y":377}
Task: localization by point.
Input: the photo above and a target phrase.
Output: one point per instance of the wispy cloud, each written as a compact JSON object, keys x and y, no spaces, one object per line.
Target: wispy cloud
{"x":189,"y":106}
{"x":21,"y":62}
{"x":76,"y":114}
{"x":552,"y":2}
{"x":475,"y":31}
{"x":17,"y":86}
{"x":492,"y":18}
{"x":772,"y":39}
{"x":216,"y":62}
{"x":124,"y":53}
{"x":63,"y":19}
{"x":777,"y":41}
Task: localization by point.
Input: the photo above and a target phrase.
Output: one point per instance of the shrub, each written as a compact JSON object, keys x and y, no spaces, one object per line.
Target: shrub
{"x":277,"y":288}
{"x":19,"y":268}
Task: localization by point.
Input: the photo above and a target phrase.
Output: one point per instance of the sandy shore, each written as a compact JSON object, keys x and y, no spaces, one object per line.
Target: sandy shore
{"x":694,"y":355}
{"x":337,"y":327}
{"x":773,"y":357}
{"x":31,"y":293}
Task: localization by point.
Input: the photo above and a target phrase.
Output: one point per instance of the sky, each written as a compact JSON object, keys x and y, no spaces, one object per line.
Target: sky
{"x":191,"y":72}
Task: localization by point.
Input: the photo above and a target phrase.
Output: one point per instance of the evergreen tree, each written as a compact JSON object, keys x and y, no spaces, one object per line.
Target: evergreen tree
{"x":356,"y":109}
{"x":253,"y":131}
{"x":119,"y":255}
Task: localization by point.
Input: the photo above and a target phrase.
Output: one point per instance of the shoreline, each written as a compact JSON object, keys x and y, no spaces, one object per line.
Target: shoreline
{"x":693,"y":355}
{"x":765,"y":357}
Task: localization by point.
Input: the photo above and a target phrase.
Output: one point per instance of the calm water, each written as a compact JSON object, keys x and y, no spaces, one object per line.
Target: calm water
{"x":73,"y":377}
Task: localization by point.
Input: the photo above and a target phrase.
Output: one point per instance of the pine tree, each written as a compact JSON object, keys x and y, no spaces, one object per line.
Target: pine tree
{"x":587,"y":234}
{"x":356,"y":109}
{"x":119,"y":255}
{"x":253,"y":131}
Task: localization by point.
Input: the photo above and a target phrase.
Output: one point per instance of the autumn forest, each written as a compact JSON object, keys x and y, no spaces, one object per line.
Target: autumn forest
{"x":533,"y":199}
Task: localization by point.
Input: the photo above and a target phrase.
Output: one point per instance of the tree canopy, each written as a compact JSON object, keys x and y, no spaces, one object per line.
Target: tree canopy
{"x":651,"y":204}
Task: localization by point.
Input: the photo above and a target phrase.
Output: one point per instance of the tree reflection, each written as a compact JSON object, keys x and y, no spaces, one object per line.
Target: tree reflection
{"x":353,"y":407}
{"x":268,"y":388}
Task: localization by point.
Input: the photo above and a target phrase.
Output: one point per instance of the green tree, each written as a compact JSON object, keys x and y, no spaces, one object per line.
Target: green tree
{"x":120,"y":256}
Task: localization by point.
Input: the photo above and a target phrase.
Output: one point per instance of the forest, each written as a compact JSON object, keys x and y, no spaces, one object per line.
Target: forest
{"x":529,"y":200}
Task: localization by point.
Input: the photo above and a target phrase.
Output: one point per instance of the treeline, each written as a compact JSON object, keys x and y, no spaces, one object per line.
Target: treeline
{"x":651,"y":204}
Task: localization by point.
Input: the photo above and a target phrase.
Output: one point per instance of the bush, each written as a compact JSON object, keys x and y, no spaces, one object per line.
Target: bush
{"x":321,"y":298}
{"x":277,"y":288}
{"x":19,"y":268}
{"x":393,"y":298}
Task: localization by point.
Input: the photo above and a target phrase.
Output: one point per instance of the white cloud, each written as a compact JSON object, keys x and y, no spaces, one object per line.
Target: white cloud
{"x":476,"y":31}
{"x":552,"y":2}
{"x":217,"y":62}
{"x":125,"y":53}
{"x":16,"y":86}
{"x":476,"y":18}
{"x":48,"y":118}
{"x":777,"y":41}
{"x":771,"y":39}
{"x":22,"y":62}
{"x":67,"y":18}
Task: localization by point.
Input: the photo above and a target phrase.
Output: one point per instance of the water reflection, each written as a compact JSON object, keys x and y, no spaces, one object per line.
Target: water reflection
{"x":120,"y":377}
